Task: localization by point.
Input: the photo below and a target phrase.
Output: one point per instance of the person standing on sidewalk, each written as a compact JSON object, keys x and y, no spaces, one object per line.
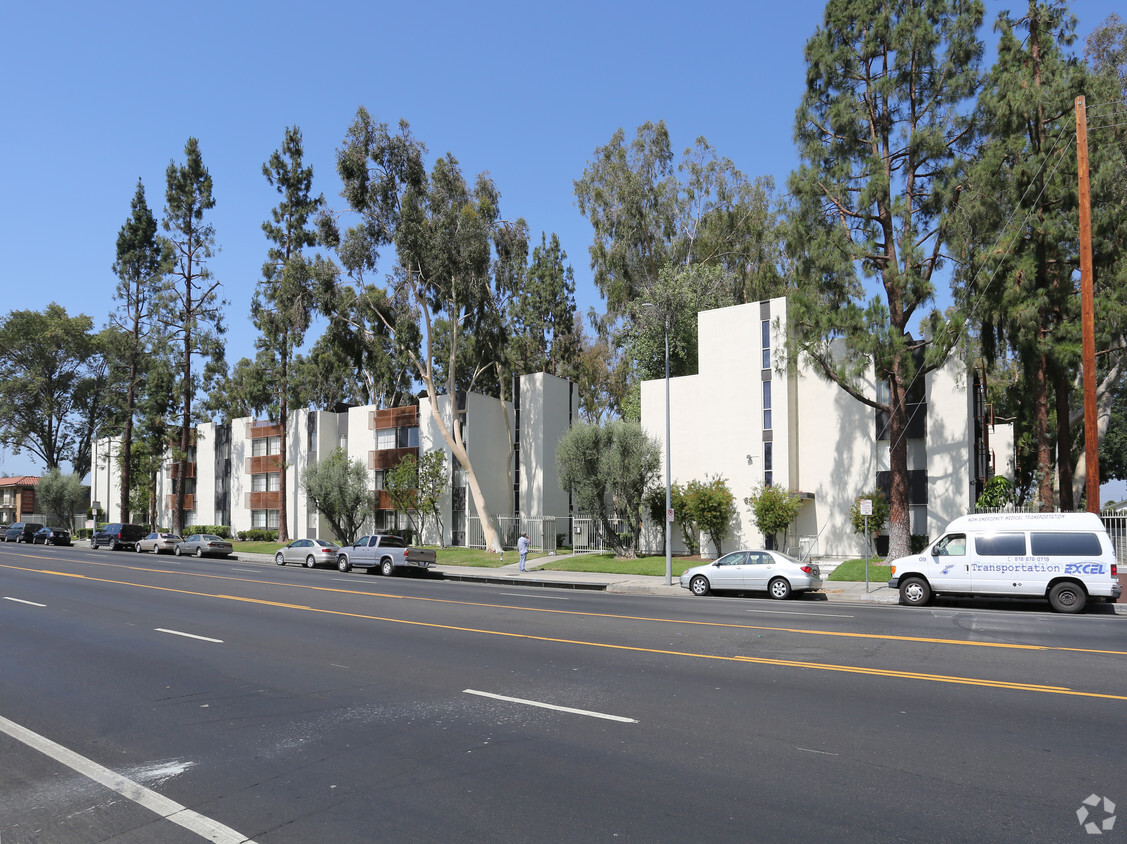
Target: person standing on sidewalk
{"x":522,"y":549}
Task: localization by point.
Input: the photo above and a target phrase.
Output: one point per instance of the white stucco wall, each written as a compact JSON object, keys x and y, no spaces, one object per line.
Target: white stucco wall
{"x":546,"y":414}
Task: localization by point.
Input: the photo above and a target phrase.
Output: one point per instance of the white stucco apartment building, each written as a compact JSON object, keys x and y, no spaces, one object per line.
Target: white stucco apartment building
{"x":748,"y":419}
{"x":234,"y":468}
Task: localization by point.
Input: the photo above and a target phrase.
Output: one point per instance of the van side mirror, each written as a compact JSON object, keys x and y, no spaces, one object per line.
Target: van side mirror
{"x":935,"y":550}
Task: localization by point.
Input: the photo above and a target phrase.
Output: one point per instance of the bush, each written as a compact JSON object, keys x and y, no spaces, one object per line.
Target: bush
{"x":258,"y":535}
{"x":222,"y":531}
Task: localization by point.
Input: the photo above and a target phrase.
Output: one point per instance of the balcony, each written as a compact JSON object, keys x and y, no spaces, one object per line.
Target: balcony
{"x":388,"y":458}
{"x":265,"y":463}
{"x":263,"y":500}
{"x":393,"y":417}
{"x":189,"y":502}
{"x":174,"y":470}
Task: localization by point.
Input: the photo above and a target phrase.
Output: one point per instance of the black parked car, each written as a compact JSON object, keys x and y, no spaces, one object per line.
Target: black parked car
{"x":22,"y":532}
{"x":118,"y":535}
{"x":52,"y":536}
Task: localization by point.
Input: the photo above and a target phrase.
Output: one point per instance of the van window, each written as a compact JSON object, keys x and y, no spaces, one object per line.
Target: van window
{"x":1065,"y":544}
{"x":953,"y":545}
{"x":1000,"y":545}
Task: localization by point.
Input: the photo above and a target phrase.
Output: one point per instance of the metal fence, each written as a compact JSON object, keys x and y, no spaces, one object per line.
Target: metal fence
{"x":589,"y":535}
{"x":541,"y":532}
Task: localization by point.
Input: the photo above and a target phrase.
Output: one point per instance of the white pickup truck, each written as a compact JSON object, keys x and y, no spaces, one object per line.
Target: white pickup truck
{"x":384,"y":552}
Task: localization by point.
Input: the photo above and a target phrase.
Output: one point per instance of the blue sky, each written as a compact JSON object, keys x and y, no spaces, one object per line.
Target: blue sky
{"x":96,"y":96}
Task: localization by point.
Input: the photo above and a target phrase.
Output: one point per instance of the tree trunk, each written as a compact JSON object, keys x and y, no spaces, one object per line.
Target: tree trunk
{"x":185,"y":433}
{"x":283,"y":522}
{"x":1061,"y":389}
{"x":1041,"y":435}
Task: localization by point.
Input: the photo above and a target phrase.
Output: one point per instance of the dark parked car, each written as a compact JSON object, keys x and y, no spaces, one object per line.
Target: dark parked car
{"x":52,"y":536}
{"x":22,"y":532}
{"x":118,"y":535}
{"x":204,"y":544}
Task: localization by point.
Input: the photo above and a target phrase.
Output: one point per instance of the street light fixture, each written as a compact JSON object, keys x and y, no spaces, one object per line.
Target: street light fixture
{"x":668,"y":482}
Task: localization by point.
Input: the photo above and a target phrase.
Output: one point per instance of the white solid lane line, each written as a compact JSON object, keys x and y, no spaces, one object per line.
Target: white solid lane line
{"x":189,"y":635}
{"x":201,"y":825}
{"x":552,"y":706}
{"x":533,"y":595}
{"x":21,"y":601}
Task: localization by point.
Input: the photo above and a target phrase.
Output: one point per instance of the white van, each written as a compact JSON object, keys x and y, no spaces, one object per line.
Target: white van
{"x":1065,"y":557}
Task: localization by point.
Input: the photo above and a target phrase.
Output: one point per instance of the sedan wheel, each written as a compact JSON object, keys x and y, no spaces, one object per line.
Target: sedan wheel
{"x":699,"y":585}
{"x":342,"y":564}
{"x":179,"y":553}
{"x":310,"y":562}
{"x":279,"y":559}
{"x":779,"y":588}
{"x":137,"y":547}
{"x":199,"y":551}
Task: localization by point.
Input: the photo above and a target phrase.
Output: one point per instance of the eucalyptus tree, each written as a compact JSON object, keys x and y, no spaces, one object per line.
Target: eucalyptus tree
{"x":52,"y":385}
{"x":292,"y":285}
{"x":191,"y":307}
{"x":882,"y":130}
{"x":453,"y":267}
{"x":543,"y":337}
{"x":139,"y":267}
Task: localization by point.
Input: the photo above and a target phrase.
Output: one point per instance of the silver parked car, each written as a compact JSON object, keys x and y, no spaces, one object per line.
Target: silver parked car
{"x":158,"y":542}
{"x":754,"y":571}
{"x":308,"y":552}
{"x":205,"y":544}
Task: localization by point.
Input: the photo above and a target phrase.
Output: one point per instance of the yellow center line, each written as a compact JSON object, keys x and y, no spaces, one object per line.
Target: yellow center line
{"x":885,"y":637}
{"x":780,"y":663}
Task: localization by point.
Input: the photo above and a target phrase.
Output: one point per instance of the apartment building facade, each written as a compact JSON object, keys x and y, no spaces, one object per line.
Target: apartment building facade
{"x":755,"y":421}
{"x":235,"y":468}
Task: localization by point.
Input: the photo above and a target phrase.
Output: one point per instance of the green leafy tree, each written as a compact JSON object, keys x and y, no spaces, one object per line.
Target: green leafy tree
{"x":433,"y":484}
{"x":1020,"y":228}
{"x":401,"y":483}
{"x":774,"y":510}
{"x":543,"y":337}
{"x":608,"y":470}
{"x":457,"y":262}
{"x":683,"y":513}
{"x":60,"y":496}
{"x":139,"y":267}
{"x":52,"y":379}
{"x":997,"y":492}
{"x":292,"y":285}
{"x":883,"y":130}
{"x":192,"y":308}
{"x":879,"y":518}
{"x":338,"y":488}
{"x":714,"y":508}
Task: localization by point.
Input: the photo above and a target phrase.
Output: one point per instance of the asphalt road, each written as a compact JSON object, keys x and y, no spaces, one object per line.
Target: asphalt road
{"x":166,"y":699}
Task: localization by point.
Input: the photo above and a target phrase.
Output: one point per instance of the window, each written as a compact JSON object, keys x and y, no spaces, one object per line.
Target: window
{"x":766,"y":344}
{"x":408,"y":437}
{"x":266,"y":482}
{"x":954,"y":545}
{"x":379,"y":476}
{"x":766,"y":405}
{"x":1065,"y":544}
{"x":264,"y":518}
{"x":385,"y":438}
{"x":768,"y":463}
{"x":262,"y":446}
{"x":1000,"y":545}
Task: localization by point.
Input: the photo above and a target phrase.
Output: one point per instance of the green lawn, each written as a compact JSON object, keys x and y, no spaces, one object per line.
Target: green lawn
{"x":607,"y":563}
{"x":854,"y":570}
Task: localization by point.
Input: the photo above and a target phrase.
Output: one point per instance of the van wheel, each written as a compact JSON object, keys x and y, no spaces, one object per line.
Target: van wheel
{"x":1067,"y":597}
{"x":915,"y":592}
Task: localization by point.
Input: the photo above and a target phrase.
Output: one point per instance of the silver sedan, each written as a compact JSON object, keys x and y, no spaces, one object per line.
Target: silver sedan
{"x":204,"y":544}
{"x":754,"y":571}
{"x":158,"y":542}
{"x":309,"y":552}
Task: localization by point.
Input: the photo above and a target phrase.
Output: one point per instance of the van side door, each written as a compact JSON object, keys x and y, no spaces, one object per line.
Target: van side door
{"x":1001,"y":564}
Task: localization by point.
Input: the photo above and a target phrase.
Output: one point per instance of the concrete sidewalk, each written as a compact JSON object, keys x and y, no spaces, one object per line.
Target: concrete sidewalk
{"x":637,"y":584}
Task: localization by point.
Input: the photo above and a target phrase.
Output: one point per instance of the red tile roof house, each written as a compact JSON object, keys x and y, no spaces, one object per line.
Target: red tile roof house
{"x":17,"y":499}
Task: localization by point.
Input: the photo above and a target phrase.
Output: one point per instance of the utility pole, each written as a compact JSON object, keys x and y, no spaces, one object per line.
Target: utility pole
{"x":1087,"y":315}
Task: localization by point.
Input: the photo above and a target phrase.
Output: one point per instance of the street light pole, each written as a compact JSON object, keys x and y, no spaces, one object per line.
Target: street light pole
{"x":668,"y":487}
